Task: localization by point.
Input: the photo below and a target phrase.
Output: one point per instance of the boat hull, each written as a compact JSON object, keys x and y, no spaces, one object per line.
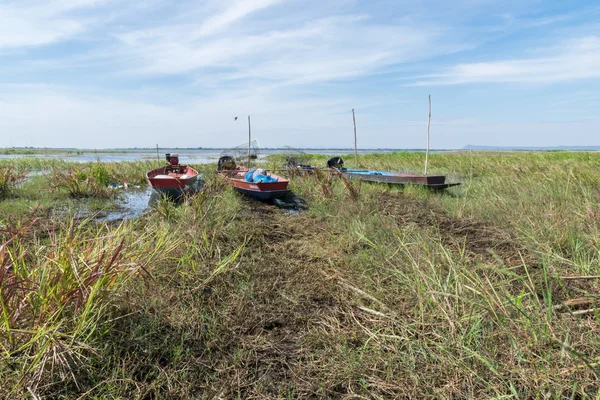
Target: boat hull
{"x":258,"y":191}
{"x":264,"y":194}
{"x":430,"y":181}
{"x":172,"y":181}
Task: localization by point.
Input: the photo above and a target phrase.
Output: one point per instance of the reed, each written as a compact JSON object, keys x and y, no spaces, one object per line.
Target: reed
{"x":54,"y":294}
{"x":81,"y":181}
{"x":9,"y":179}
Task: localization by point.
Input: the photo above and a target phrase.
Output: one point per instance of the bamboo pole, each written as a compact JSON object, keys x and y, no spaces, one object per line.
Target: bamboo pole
{"x":249,"y":136}
{"x":428,"y":127}
{"x":157,"y":156}
{"x":355,"y":151}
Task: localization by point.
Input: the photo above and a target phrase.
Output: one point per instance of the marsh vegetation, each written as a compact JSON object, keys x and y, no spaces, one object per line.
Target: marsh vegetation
{"x":370,"y":292}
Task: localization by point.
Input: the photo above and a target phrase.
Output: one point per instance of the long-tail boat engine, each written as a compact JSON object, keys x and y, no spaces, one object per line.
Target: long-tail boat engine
{"x":173,"y":159}
{"x":335,"y":162}
{"x":226,"y":163}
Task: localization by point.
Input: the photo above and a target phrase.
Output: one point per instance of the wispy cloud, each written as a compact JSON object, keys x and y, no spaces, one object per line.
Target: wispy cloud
{"x":108,"y":72}
{"x":572,"y":60}
{"x":37,"y":22}
{"x":233,"y":13}
{"x":325,"y":48}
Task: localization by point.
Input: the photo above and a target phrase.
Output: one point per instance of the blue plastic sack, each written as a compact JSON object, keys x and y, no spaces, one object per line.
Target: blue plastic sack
{"x":260,"y":178}
{"x":249,"y":175}
{"x":264,"y":179}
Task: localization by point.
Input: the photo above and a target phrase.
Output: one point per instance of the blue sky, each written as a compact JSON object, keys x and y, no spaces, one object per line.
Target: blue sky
{"x":108,"y":73}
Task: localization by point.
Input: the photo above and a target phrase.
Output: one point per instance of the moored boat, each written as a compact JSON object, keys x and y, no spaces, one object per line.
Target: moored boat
{"x":430,"y":181}
{"x":172,"y":180}
{"x":394,"y":178}
{"x":252,"y":182}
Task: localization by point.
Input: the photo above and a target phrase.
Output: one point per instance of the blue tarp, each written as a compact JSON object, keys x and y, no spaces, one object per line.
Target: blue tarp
{"x":260,"y":178}
{"x":363,"y":172}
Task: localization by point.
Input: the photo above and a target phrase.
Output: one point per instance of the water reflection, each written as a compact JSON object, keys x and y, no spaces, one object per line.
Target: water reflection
{"x":132,"y":204}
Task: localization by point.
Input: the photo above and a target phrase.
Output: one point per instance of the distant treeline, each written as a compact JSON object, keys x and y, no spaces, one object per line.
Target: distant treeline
{"x":34,"y":150}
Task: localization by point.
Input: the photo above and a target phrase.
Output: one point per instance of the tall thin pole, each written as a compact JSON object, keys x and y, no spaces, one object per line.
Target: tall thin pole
{"x":355,"y":151}
{"x":249,"y":136}
{"x":157,"y":156}
{"x":428,"y":127}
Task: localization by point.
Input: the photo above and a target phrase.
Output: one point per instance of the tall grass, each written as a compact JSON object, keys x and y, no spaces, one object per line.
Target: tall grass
{"x":373,"y":292}
{"x":93,"y":179}
{"x":9,"y":179}
{"x":477,"y":321}
{"x":81,"y":181}
{"x":54,"y":294}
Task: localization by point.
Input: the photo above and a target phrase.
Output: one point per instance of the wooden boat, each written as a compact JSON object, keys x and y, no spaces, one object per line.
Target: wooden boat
{"x":236,"y":175}
{"x":173,"y":180}
{"x":393,"y":178}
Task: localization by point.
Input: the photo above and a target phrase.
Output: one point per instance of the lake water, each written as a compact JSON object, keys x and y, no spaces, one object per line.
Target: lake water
{"x":199,"y":156}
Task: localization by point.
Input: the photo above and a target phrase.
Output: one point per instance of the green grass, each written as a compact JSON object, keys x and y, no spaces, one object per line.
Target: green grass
{"x":372,"y":292}
{"x":51,"y":151}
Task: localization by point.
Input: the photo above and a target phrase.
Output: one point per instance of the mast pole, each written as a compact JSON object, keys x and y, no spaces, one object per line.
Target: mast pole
{"x":249,"y":136}
{"x":355,"y":151}
{"x":428,"y":127}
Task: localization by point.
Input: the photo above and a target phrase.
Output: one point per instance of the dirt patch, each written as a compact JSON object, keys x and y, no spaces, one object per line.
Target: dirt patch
{"x":479,"y":239}
{"x":281,"y":323}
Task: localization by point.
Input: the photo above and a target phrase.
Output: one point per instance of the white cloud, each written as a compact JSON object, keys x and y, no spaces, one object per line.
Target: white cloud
{"x":235,"y":12}
{"x":137,"y":72}
{"x":324,"y":49}
{"x":36,"y":22}
{"x":571,"y":60}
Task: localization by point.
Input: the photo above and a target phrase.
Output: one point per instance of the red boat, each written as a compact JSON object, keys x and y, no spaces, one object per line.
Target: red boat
{"x":173,"y":180}
{"x":263,"y":186}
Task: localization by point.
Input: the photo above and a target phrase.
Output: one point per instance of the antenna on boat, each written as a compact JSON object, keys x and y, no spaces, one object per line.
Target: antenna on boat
{"x":355,"y":152}
{"x":428,"y":126}
{"x":249,"y":136}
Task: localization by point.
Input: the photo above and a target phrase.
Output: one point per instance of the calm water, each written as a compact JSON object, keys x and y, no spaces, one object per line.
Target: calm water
{"x":185,"y":156}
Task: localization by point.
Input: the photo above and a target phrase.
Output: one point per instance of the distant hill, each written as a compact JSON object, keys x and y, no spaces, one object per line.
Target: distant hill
{"x":532,"y":148}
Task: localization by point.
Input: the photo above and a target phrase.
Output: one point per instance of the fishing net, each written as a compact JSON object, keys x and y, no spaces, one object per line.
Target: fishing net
{"x":244,"y":154}
{"x":294,"y":158}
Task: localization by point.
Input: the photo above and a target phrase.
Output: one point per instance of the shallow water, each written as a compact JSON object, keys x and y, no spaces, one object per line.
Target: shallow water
{"x":197,"y":156}
{"x":132,"y":204}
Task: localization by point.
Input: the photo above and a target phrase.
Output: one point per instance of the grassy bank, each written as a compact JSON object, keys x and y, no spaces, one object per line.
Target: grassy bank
{"x":42,"y":151}
{"x":371,"y":292}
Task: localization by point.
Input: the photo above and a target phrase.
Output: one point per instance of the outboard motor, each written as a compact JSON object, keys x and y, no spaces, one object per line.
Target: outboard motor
{"x":226,"y":163}
{"x":173,"y":159}
{"x":335,"y":162}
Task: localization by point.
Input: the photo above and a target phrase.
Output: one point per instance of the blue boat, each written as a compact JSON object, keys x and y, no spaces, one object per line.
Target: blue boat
{"x":393,"y":178}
